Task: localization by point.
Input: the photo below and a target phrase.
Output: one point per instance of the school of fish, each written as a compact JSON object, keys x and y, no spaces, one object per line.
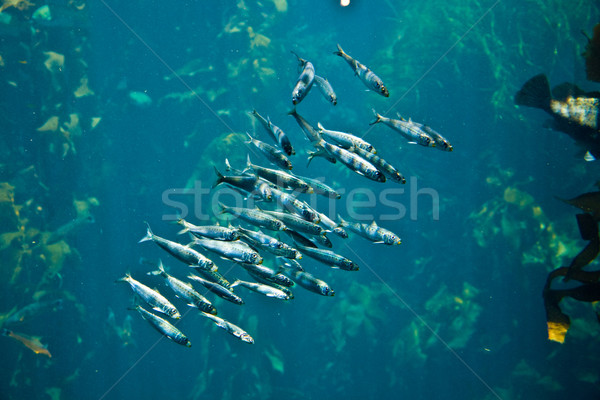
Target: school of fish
{"x":268,"y":241}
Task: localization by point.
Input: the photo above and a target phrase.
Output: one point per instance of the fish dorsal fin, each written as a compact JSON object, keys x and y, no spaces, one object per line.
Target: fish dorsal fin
{"x":373,"y":224}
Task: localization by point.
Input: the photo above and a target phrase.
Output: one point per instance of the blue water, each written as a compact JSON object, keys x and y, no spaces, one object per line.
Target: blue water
{"x":455,"y":311}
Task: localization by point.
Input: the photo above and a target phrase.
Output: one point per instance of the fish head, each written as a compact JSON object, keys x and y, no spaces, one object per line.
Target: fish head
{"x":246,"y":338}
{"x":326,"y":290}
{"x":341,"y":232}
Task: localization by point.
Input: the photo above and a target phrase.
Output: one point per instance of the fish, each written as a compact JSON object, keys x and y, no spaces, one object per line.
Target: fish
{"x":276,"y":133}
{"x":309,"y":131}
{"x":157,"y":301}
{"x":321,"y":188}
{"x":372,"y":232}
{"x":215,"y":232}
{"x":574,"y":112}
{"x":183,"y":253}
{"x":164,"y":327}
{"x":247,"y":183}
{"x":267,"y":290}
{"x":64,"y":230}
{"x":326,"y":89}
{"x":368,"y":77}
{"x":217,"y":289}
{"x":279,"y":178}
{"x":441,"y":142}
{"x":592,"y":55}
{"x":236,"y":251}
{"x":351,"y":160}
{"x":344,"y":139}
{"x":330,"y":258}
{"x":305,"y":80}
{"x":286,"y":263}
{"x":33,"y":309}
{"x":214,"y":276}
{"x":274,"y":155}
{"x":292,"y":204}
{"x":269,"y":243}
{"x":231,"y":328}
{"x":295,"y":222}
{"x":263,"y":271}
{"x":385,"y":167}
{"x":185,"y":291}
{"x":31,"y":342}
{"x":309,"y":282}
{"x":588,"y":202}
{"x":255,"y":217}
{"x":411,"y":131}
{"x":333,"y":226}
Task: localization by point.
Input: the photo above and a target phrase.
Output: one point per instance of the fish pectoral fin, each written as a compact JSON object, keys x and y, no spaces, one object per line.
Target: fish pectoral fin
{"x":379,"y":242}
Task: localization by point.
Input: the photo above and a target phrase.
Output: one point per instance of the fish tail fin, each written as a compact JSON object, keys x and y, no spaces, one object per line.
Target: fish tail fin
{"x":149,"y":234}
{"x":293,"y":112}
{"x":339,"y":51}
{"x":183,"y":223}
{"x":227,"y":165}
{"x":125,"y":278}
{"x":535,"y":93}
{"x":377,"y":117}
{"x":321,"y":128}
{"x":235,"y":283}
{"x":160,"y":271}
{"x":342,"y":222}
{"x":250,"y":139}
{"x":220,"y":178}
{"x":223,"y":208}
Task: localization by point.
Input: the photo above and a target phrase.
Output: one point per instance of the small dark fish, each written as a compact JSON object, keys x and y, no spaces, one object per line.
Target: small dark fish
{"x":157,"y":301}
{"x":68,"y":228}
{"x":326,"y":89}
{"x":276,"y":133}
{"x":411,"y":131}
{"x":367,"y":76}
{"x":247,"y":183}
{"x":164,"y":327}
{"x":272,"y":154}
{"x":29,"y":311}
{"x":219,"y":290}
{"x":216,"y":232}
{"x":183,"y":253}
{"x":305,"y":80}
{"x":231,"y":328}
{"x":31,"y":342}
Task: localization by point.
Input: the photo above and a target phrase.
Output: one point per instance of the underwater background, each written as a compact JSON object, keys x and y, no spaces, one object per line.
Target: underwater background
{"x":120,"y":110}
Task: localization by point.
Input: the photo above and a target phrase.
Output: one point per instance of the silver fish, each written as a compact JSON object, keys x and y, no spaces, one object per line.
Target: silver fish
{"x":272,"y":154}
{"x":183,"y":253}
{"x":280,"y":178}
{"x":164,"y":327}
{"x":255,"y":217}
{"x":154,"y":299}
{"x":440,"y":142}
{"x":309,"y":131}
{"x":333,"y":226}
{"x":381,"y":164}
{"x":276,"y":133}
{"x":373,"y":232}
{"x":326,"y":89}
{"x":321,"y":188}
{"x":330,"y":258}
{"x":345,"y":139}
{"x":350,"y":160}
{"x":217,"y":289}
{"x":295,"y":222}
{"x":411,"y":131}
{"x":216,"y":232}
{"x":231,"y":328}
{"x":309,"y":282}
{"x":269,"y":243}
{"x":305,"y":80}
{"x":367,"y":76}
{"x":292,"y":204}
{"x":267,"y":290}
{"x":185,"y":291}
{"x":236,"y":251}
